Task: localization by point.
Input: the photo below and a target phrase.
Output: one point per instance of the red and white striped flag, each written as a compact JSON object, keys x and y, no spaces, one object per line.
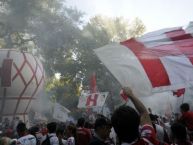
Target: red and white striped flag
{"x":156,"y":62}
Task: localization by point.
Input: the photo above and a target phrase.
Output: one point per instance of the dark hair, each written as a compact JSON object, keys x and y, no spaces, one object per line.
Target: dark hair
{"x":125,"y":121}
{"x":179,"y":132}
{"x":101,"y":122}
{"x":51,"y":127}
{"x":88,"y":125}
{"x":81,"y":122}
{"x":185,"y":107}
{"x":153,"y":117}
{"x":33,"y":130}
{"x":21,"y":127}
{"x":72,"y":128}
{"x":60,"y":130}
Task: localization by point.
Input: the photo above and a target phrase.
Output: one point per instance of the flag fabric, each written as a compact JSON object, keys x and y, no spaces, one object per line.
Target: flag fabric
{"x":60,"y":112}
{"x":168,"y":110}
{"x":123,"y":96}
{"x":93,"y":85}
{"x":158,"y":61}
{"x":87,"y":100}
{"x":179,"y":92}
{"x":93,"y":88}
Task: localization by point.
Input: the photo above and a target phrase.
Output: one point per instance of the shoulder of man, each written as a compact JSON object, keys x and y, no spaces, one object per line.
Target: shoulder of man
{"x":53,"y":139}
{"x":83,"y":131}
{"x":96,"y":141}
{"x":148,"y":134}
{"x":144,"y":141}
{"x":28,"y":137}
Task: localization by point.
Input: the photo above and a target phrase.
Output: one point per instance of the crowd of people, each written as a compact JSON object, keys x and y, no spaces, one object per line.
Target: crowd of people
{"x":127,"y":126}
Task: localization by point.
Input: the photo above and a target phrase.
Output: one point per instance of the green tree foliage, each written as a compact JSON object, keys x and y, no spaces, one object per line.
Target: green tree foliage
{"x":106,"y":29}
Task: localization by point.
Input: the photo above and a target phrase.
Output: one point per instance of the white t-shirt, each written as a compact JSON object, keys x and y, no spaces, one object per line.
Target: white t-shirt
{"x":113,"y":135}
{"x":53,"y":139}
{"x":64,"y":141}
{"x":159,"y":132}
{"x":70,"y":141}
{"x":27,"y":140}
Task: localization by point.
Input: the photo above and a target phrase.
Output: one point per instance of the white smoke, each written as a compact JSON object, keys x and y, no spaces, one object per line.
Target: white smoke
{"x":165,"y":102}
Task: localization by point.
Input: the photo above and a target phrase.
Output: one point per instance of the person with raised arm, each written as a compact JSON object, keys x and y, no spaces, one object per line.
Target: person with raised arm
{"x":132,"y":127}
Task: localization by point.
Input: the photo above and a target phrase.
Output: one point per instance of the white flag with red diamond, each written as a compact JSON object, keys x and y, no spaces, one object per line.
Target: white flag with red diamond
{"x":156,"y":62}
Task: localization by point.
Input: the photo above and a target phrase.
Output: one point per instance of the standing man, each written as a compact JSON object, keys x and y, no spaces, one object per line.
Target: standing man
{"x":51,"y":138}
{"x":102,"y":131}
{"x":187,"y":118}
{"x":127,"y":122}
{"x":24,"y":137}
{"x":83,"y":134}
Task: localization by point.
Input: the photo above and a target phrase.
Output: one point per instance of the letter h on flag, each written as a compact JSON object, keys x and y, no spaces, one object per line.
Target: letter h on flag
{"x":88,"y":100}
{"x":92,"y":100}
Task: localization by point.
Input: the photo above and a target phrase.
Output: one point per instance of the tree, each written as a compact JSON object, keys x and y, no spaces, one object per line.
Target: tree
{"x":97,"y":32}
{"x":47,"y":24}
{"x":51,"y":30}
{"x":76,"y":67}
{"x":107,"y":29}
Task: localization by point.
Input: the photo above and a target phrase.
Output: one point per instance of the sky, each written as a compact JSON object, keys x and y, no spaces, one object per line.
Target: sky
{"x":155,"y":14}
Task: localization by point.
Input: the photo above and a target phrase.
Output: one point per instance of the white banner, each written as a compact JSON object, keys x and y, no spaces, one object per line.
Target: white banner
{"x":92,"y":100}
{"x":60,"y":112}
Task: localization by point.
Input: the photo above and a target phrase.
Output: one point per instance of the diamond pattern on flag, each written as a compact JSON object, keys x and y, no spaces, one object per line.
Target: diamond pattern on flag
{"x":158,"y":61}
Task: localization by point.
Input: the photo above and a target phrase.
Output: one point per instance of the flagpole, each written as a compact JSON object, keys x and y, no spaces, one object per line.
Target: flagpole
{"x":93,"y":89}
{"x":183,"y":97}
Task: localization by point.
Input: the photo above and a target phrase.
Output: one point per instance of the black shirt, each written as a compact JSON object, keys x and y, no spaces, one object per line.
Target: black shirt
{"x":96,"y":141}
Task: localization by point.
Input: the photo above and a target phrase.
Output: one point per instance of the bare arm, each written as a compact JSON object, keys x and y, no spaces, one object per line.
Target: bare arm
{"x":145,"y":119}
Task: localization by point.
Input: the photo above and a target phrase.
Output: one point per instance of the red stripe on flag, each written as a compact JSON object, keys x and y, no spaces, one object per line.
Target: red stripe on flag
{"x":179,"y":92}
{"x":183,"y":42}
{"x":150,"y":62}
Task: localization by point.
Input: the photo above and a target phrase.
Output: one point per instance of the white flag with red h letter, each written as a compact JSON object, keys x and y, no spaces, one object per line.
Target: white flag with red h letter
{"x":87,"y":100}
{"x":156,"y":62}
